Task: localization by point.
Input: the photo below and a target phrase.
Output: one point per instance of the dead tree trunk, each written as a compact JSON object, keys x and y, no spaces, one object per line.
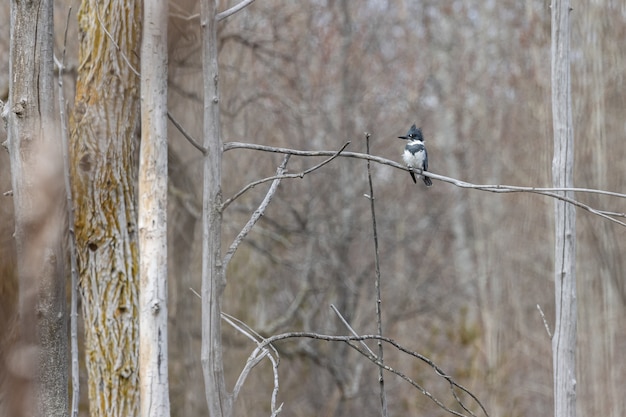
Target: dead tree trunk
{"x":564,"y":339}
{"x":213,"y":279}
{"x":153,"y":352}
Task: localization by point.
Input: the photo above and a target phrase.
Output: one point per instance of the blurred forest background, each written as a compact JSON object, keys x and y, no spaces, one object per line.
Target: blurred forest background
{"x":462,"y":270}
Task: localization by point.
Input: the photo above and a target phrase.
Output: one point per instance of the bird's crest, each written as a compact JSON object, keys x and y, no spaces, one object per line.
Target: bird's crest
{"x":414,"y":133}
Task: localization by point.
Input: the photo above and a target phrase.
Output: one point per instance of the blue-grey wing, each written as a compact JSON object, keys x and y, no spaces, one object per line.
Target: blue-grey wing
{"x":425,"y":159}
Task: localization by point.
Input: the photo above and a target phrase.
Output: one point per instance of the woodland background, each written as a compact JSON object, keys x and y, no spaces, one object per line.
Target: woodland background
{"x":462,"y":270}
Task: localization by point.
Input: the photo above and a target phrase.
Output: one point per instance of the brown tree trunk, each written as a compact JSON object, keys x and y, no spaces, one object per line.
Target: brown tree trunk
{"x":102,"y":145}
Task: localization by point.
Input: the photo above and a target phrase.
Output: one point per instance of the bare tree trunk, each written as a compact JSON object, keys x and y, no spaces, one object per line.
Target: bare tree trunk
{"x":213,"y":279}
{"x":38,"y":360}
{"x":564,"y":339}
{"x":103,"y":131}
{"x":153,"y":353}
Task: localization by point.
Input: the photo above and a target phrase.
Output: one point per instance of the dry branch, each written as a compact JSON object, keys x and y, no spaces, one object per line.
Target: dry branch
{"x":256,"y":215}
{"x":553,"y":192}
{"x":229,"y":12}
{"x":72,"y":236}
{"x":282,"y":176}
{"x":349,"y":340}
{"x":379,"y":322}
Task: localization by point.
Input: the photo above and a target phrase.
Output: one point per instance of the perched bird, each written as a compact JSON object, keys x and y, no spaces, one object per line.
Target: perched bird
{"x":415,"y":155}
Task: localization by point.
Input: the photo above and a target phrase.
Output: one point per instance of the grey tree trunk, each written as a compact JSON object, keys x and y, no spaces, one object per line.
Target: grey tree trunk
{"x":564,"y":338}
{"x":213,"y":279}
{"x":38,"y":360}
{"x":152,"y":214}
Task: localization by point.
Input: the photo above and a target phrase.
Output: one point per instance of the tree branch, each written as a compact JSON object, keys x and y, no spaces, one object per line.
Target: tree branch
{"x":494,"y":188}
{"x":256,"y":215}
{"x":187,"y":136}
{"x":229,"y":12}
{"x":255,"y":357}
{"x":115,"y":43}
{"x":379,"y":320}
{"x":72,"y":235}
{"x":282,"y":176}
{"x":373,"y":358}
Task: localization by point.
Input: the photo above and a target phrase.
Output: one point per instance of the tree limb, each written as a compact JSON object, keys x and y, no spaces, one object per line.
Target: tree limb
{"x":379,"y":321}
{"x":494,"y":188}
{"x":72,"y":236}
{"x":256,"y":215}
{"x":229,"y":12}
{"x":187,"y":136}
{"x":281,"y":176}
{"x":373,"y":358}
{"x":257,"y":355}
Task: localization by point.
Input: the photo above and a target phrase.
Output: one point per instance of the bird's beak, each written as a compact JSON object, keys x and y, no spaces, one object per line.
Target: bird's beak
{"x":402,"y":137}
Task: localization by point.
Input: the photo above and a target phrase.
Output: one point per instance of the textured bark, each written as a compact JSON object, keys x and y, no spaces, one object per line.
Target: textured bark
{"x":564,"y":339}
{"x":37,"y":362}
{"x":213,"y":279}
{"x":153,"y":352}
{"x":103,"y":131}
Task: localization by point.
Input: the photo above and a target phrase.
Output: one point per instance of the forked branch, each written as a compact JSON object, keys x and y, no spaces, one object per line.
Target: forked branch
{"x":494,"y":188}
{"x":263,"y":344}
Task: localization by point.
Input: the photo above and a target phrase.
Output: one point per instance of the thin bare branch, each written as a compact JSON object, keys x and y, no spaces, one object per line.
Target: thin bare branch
{"x":253,"y":360}
{"x":187,"y":18}
{"x":351,"y":330}
{"x":545,"y":322}
{"x":496,"y":188}
{"x":256,"y":215}
{"x":229,"y":12}
{"x":379,"y":320}
{"x":257,"y":355}
{"x":72,"y":236}
{"x":187,"y":136}
{"x":283,"y":176}
{"x":115,"y":43}
{"x":349,"y":340}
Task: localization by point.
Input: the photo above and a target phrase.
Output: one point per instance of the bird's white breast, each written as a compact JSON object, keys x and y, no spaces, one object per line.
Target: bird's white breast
{"x":413,"y":160}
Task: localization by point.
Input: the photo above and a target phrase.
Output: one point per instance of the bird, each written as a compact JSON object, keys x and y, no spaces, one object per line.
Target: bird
{"x":415,"y":154}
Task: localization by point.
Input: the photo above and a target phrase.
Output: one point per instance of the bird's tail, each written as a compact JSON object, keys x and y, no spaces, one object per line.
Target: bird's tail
{"x":427,"y":181}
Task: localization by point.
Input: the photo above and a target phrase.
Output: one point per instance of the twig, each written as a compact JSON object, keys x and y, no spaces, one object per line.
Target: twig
{"x":255,"y":357}
{"x":187,"y":136}
{"x":351,"y":330}
{"x":379,"y":321}
{"x":72,"y":237}
{"x":545,"y":322}
{"x":115,"y":43}
{"x":188,"y":18}
{"x":373,"y":358}
{"x":550,"y":192}
{"x":256,"y":215}
{"x":283,"y":176}
{"x":229,"y":12}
